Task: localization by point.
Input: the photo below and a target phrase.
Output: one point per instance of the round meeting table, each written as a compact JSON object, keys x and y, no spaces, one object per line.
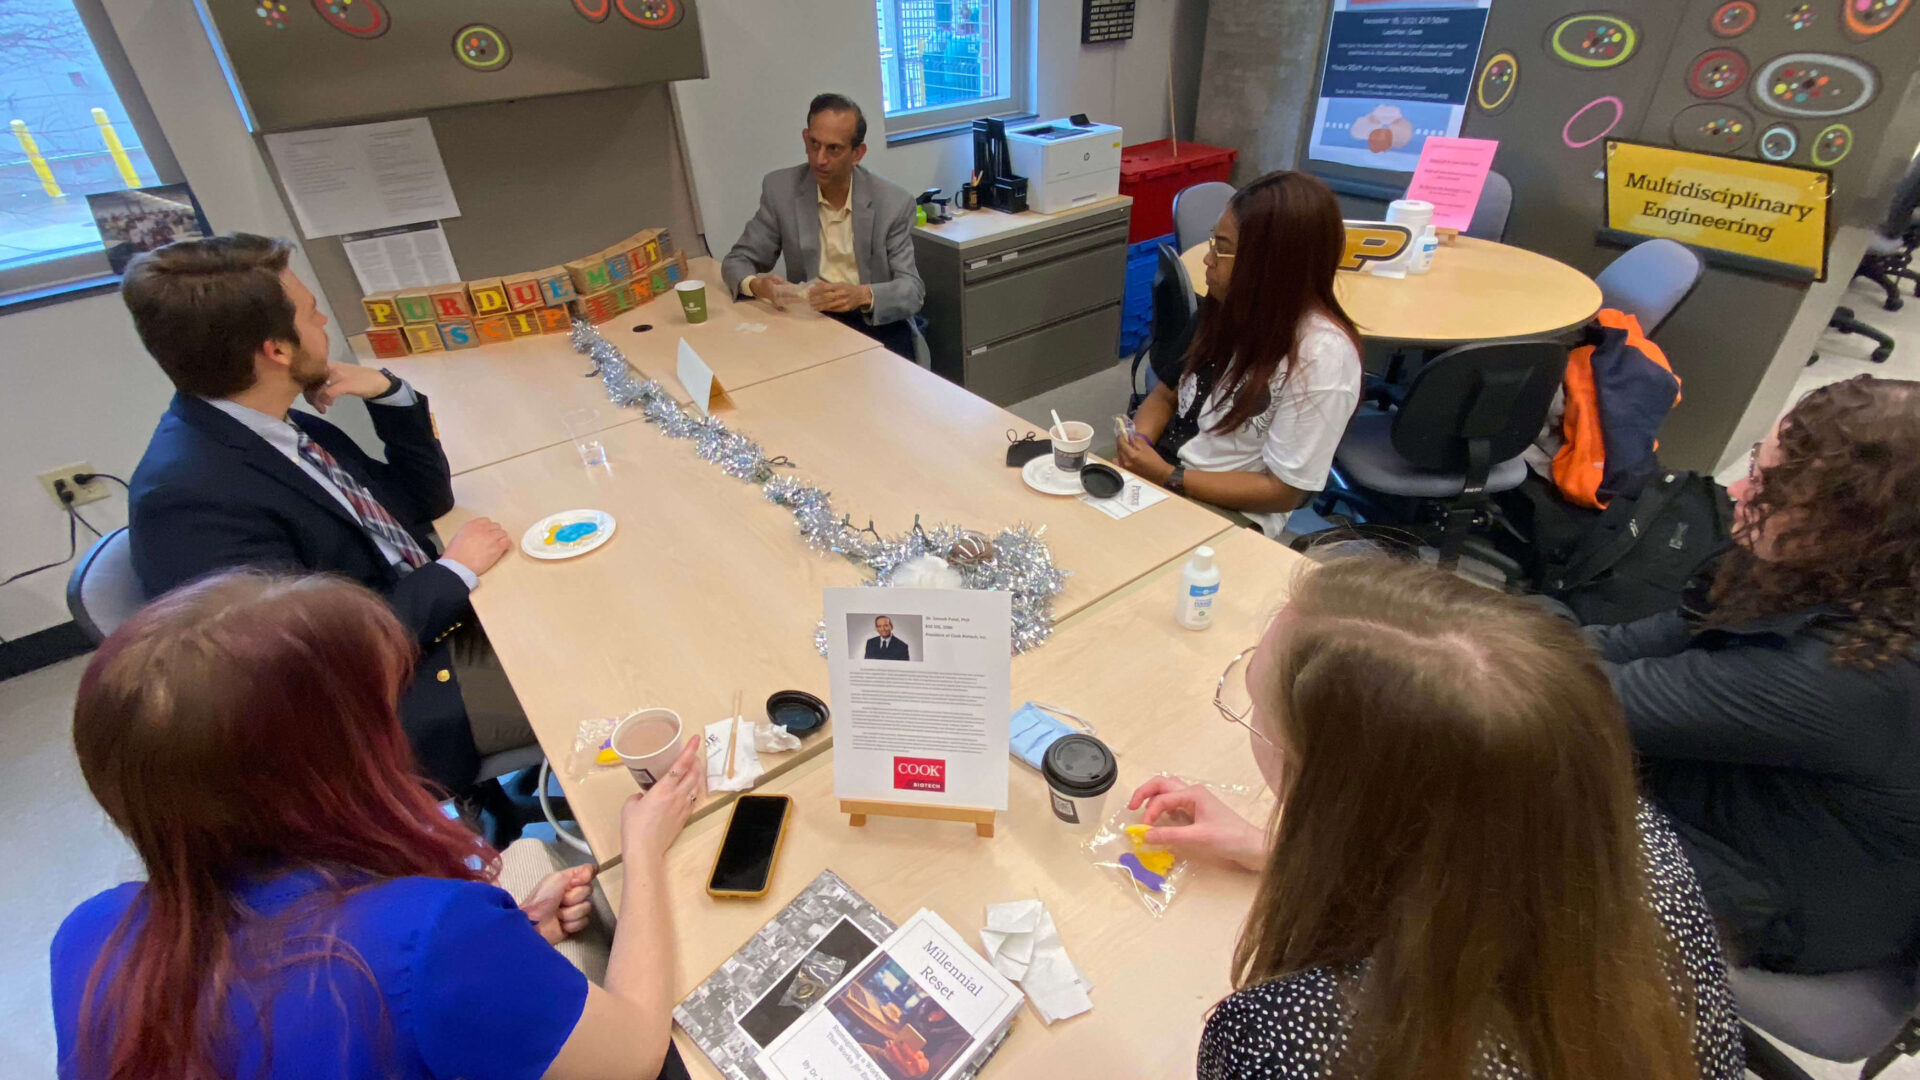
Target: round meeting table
{"x":1477,"y":290}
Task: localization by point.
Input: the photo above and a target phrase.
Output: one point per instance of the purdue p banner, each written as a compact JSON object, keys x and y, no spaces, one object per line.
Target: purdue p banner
{"x":1753,"y":208}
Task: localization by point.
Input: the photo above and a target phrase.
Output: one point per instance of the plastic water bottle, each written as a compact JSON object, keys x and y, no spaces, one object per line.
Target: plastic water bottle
{"x":1424,"y":250}
{"x":1199,"y":588}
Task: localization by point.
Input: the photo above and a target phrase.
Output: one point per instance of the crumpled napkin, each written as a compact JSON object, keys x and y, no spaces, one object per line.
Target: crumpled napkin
{"x":1023,"y":944}
{"x":746,"y":760}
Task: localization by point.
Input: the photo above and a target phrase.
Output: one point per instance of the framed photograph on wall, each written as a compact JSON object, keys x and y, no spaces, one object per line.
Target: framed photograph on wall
{"x":142,"y":219}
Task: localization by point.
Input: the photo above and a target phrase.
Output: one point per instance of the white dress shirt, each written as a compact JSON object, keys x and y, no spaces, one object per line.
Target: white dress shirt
{"x":280,"y":434}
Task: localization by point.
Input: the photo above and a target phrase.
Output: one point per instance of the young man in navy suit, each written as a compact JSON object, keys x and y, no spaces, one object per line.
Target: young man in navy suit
{"x":885,"y":646}
{"x":233,"y":477}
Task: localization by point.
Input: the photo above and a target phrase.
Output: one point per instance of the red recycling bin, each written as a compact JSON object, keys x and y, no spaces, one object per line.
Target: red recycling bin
{"x":1153,"y":175}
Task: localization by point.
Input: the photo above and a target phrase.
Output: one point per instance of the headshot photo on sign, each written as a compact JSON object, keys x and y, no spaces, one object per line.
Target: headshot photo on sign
{"x":884,"y":637}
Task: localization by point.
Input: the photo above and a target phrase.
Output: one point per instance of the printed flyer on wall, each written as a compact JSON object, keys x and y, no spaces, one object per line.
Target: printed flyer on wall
{"x":921,"y":684}
{"x":1394,"y":73}
{"x":923,"y":1007}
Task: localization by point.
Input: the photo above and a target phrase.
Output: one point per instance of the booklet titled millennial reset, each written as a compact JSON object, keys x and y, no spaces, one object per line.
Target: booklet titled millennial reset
{"x":924,"y":1006}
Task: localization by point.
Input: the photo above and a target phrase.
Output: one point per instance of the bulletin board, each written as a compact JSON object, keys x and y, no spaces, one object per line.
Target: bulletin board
{"x":303,"y":63}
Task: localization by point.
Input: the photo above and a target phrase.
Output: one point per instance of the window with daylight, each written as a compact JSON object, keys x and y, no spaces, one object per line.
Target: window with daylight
{"x":75,"y":125}
{"x":951,"y":61}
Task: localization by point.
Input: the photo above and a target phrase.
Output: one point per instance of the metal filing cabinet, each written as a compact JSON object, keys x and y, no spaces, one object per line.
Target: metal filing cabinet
{"x":1022,"y":303}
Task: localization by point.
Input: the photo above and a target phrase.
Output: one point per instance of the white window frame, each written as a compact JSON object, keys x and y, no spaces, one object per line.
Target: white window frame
{"x":29,"y":283}
{"x":1014,"y":46}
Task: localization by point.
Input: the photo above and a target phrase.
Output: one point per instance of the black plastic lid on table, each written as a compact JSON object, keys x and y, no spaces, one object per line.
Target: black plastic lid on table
{"x":797,"y":711}
{"x":1100,"y":481}
{"x":1079,"y":765}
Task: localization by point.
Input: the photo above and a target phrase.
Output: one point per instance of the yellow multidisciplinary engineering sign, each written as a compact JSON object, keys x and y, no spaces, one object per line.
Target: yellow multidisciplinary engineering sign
{"x":1752,"y":208}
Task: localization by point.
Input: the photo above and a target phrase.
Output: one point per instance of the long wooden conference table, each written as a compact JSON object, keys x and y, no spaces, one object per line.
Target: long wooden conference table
{"x":707,"y":590}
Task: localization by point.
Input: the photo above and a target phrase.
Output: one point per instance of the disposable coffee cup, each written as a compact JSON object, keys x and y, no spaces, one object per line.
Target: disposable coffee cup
{"x":693,"y":300}
{"x":647,"y":742}
{"x":1070,"y":442}
{"x":1079,"y":770}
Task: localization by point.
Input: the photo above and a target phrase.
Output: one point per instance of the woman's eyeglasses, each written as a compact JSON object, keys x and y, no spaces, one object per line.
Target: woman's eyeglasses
{"x":1213,"y":248}
{"x":1231,"y":696}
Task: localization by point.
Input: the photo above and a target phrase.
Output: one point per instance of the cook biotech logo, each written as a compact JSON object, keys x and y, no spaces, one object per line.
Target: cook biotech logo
{"x":919,"y":774}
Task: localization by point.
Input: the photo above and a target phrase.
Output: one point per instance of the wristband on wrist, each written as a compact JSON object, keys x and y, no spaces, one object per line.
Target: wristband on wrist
{"x":1177,"y":482}
{"x":393,"y":386}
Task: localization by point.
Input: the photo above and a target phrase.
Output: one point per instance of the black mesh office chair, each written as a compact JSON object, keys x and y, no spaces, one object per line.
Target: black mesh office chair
{"x":1175,"y":306}
{"x":1428,"y":460}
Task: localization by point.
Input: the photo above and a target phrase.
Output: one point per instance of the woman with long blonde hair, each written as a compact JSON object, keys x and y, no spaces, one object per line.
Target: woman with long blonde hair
{"x":1460,"y":882}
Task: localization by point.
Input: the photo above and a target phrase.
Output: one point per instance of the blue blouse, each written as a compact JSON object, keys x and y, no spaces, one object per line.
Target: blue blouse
{"x":462,"y":984}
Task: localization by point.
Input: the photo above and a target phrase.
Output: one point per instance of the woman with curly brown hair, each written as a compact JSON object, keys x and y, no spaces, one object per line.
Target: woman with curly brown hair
{"x":1778,"y":719}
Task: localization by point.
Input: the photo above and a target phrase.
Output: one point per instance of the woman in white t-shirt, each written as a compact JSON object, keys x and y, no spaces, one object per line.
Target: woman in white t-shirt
{"x":1273,"y":372}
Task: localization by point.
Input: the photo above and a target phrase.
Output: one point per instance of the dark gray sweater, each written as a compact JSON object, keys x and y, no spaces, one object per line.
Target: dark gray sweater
{"x":1793,"y":783}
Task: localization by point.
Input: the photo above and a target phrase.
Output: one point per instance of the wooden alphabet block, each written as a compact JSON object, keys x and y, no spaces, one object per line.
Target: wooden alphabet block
{"x":660,"y":282}
{"x":388,"y":341}
{"x":555,"y":320}
{"x":653,"y":250}
{"x":415,"y":307}
{"x":450,"y":301}
{"x":523,"y":291}
{"x":619,"y":267}
{"x":424,"y":338}
{"x":382,"y":311}
{"x":624,"y":296}
{"x":676,"y":270}
{"x":556,"y":285}
{"x":636,"y":258}
{"x":458,"y":334}
{"x":597,"y":307}
{"x":643,"y":288}
{"x":589,"y":275}
{"x":524,"y":323}
{"x":489,"y":297}
{"x":493,"y":329}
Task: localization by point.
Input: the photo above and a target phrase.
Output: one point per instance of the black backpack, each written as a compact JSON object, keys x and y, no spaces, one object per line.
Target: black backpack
{"x":1630,"y":560}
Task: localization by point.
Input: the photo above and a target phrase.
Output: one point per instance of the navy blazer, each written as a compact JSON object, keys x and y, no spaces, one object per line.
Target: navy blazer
{"x":892,"y":649}
{"x":210,"y":495}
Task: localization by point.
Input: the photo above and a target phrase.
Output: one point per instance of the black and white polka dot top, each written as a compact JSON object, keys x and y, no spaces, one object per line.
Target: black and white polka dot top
{"x":1293,"y":1028}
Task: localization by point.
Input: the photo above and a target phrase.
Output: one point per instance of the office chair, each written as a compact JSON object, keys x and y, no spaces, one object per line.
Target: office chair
{"x":1491,"y":212}
{"x":102,"y":591}
{"x":1844,"y":1016}
{"x":1196,"y":209}
{"x":1455,"y":436}
{"x":1649,"y":280}
{"x":1175,"y":306}
{"x":1889,"y":257}
{"x":1846,"y":322}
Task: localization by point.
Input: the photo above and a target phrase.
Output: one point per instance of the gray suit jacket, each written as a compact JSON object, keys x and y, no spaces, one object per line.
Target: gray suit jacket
{"x":788,"y":224}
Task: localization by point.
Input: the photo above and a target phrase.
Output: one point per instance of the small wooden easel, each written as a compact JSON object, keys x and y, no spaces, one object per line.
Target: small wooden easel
{"x":858,"y":809}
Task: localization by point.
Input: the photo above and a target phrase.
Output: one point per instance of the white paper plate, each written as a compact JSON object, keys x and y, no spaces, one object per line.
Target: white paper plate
{"x":1042,"y":476}
{"x":543,"y":540}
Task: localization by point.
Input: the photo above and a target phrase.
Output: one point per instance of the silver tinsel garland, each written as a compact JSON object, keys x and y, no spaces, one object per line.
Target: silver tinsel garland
{"x":1020,"y":564}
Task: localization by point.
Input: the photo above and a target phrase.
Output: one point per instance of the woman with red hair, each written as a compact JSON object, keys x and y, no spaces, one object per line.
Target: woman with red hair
{"x":308,"y":909}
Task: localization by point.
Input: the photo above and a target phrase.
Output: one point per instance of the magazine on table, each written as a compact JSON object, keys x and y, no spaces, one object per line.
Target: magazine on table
{"x":922,"y":1006}
{"x":823,"y":936}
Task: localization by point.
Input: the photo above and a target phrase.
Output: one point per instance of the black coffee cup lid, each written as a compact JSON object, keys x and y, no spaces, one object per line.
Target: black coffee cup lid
{"x":1101,"y":481}
{"x":797,"y":711}
{"x":1079,"y":765}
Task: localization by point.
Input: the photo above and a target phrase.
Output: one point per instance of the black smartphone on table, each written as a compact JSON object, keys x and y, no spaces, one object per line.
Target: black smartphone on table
{"x":744,"y":864}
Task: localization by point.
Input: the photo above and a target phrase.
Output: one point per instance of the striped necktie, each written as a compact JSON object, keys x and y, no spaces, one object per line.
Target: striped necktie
{"x":373,"y":517}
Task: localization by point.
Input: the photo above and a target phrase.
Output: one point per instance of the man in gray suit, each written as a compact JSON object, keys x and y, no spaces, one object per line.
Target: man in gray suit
{"x":835,"y":221}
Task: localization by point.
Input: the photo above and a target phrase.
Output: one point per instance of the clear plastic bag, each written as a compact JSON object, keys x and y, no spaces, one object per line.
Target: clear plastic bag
{"x":1153,"y":874}
{"x":812,"y":978}
{"x":589,"y":740}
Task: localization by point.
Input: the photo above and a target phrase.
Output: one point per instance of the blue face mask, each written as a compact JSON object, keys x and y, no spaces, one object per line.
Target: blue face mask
{"x":1031,"y":731}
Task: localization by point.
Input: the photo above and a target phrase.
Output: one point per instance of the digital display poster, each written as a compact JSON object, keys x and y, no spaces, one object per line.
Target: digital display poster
{"x":1395,"y":72}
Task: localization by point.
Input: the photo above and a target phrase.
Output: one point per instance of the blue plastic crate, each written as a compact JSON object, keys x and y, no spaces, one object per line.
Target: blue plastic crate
{"x":1136,"y":303}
